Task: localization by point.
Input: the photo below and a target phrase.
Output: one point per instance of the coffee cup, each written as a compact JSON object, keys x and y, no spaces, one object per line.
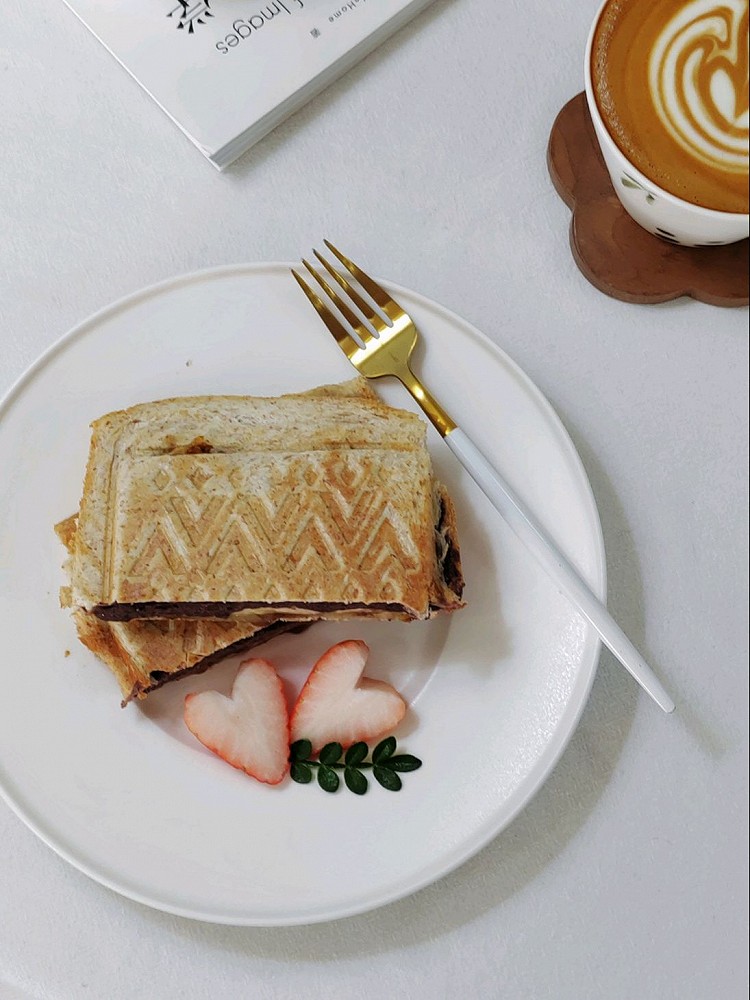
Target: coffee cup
{"x":666,"y":87}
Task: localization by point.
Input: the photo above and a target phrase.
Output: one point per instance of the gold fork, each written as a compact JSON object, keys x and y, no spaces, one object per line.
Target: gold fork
{"x":384,"y":347}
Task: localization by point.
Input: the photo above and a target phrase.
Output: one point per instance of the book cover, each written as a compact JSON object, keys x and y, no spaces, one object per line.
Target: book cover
{"x":228,"y":71}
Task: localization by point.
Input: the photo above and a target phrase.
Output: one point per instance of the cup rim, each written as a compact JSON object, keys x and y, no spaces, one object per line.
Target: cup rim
{"x":638,"y":175}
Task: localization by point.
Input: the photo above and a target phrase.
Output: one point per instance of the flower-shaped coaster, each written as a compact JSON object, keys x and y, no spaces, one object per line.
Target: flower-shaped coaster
{"x":614,"y":252}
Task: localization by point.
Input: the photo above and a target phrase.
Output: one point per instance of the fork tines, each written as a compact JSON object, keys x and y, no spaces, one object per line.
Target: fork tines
{"x":369,"y":321}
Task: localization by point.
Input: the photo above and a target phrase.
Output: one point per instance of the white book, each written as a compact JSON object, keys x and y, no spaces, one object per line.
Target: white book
{"x":228,"y":71}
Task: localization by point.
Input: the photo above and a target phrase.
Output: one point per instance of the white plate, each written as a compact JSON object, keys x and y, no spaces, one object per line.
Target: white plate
{"x":495,"y":691}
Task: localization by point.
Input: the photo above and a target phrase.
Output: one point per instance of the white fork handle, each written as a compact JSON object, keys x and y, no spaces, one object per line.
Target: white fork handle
{"x":566,"y":578}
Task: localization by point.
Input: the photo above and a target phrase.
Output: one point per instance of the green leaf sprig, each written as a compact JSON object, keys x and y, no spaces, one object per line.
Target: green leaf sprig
{"x":384,"y":764}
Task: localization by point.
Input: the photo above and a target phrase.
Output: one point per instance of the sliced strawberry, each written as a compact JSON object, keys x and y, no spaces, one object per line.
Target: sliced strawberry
{"x":250,"y":729}
{"x":337,"y":704}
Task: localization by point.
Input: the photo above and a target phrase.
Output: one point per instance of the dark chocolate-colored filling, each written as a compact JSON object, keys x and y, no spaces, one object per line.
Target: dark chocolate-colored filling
{"x":450,"y":560}
{"x":223,"y":609}
{"x":452,"y":571}
{"x":161,"y":677}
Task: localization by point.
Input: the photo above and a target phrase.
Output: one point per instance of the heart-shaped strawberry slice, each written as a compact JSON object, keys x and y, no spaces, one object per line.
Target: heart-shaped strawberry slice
{"x":250,"y":729}
{"x":338,"y":705}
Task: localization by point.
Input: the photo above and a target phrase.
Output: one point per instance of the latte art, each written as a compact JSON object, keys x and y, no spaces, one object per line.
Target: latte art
{"x":670,"y":79}
{"x":698,"y":77}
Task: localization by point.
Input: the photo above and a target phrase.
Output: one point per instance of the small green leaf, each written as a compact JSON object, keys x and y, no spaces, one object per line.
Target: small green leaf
{"x":301,"y":750}
{"x":331,"y":753}
{"x":328,"y":779}
{"x":626,"y":182}
{"x":388,"y":779}
{"x":383,"y":750}
{"x":355,"y":781}
{"x":355,"y":754}
{"x":404,"y":762}
{"x":384,"y":762}
{"x":301,"y":773}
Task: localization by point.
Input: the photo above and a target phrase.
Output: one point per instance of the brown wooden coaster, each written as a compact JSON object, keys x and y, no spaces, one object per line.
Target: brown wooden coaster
{"x":618,"y":256}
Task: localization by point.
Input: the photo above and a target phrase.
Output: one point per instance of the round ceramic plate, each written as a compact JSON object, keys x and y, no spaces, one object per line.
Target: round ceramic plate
{"x":494,"y":691}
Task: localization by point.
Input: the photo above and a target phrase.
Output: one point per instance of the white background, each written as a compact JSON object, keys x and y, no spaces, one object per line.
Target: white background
{"x":627,"y":875}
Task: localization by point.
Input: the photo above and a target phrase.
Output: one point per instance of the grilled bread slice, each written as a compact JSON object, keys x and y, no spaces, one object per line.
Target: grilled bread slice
{"x":317,"y":505}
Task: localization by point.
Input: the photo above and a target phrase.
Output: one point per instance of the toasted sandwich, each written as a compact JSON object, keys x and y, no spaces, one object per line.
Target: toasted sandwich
{"x":317,"y":505}
{"x":211,"y":524}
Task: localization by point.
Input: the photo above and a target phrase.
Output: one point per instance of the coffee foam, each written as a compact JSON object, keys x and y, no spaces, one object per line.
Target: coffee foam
{"x":698,"y":81}
{"x":670,"y":79}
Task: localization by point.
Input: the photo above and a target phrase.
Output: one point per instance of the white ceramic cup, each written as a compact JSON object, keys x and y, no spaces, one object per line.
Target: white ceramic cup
{"x":658,"y":211}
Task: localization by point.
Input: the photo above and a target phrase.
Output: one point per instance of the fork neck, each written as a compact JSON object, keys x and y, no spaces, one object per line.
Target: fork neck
{"x":440,"y":420}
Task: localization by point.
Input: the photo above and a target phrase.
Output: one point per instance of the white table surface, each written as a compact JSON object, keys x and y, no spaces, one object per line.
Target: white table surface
{"x":626,"y":877}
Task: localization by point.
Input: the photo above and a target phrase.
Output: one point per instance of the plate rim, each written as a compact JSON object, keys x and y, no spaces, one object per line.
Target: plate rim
{"x":554,"y":749}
